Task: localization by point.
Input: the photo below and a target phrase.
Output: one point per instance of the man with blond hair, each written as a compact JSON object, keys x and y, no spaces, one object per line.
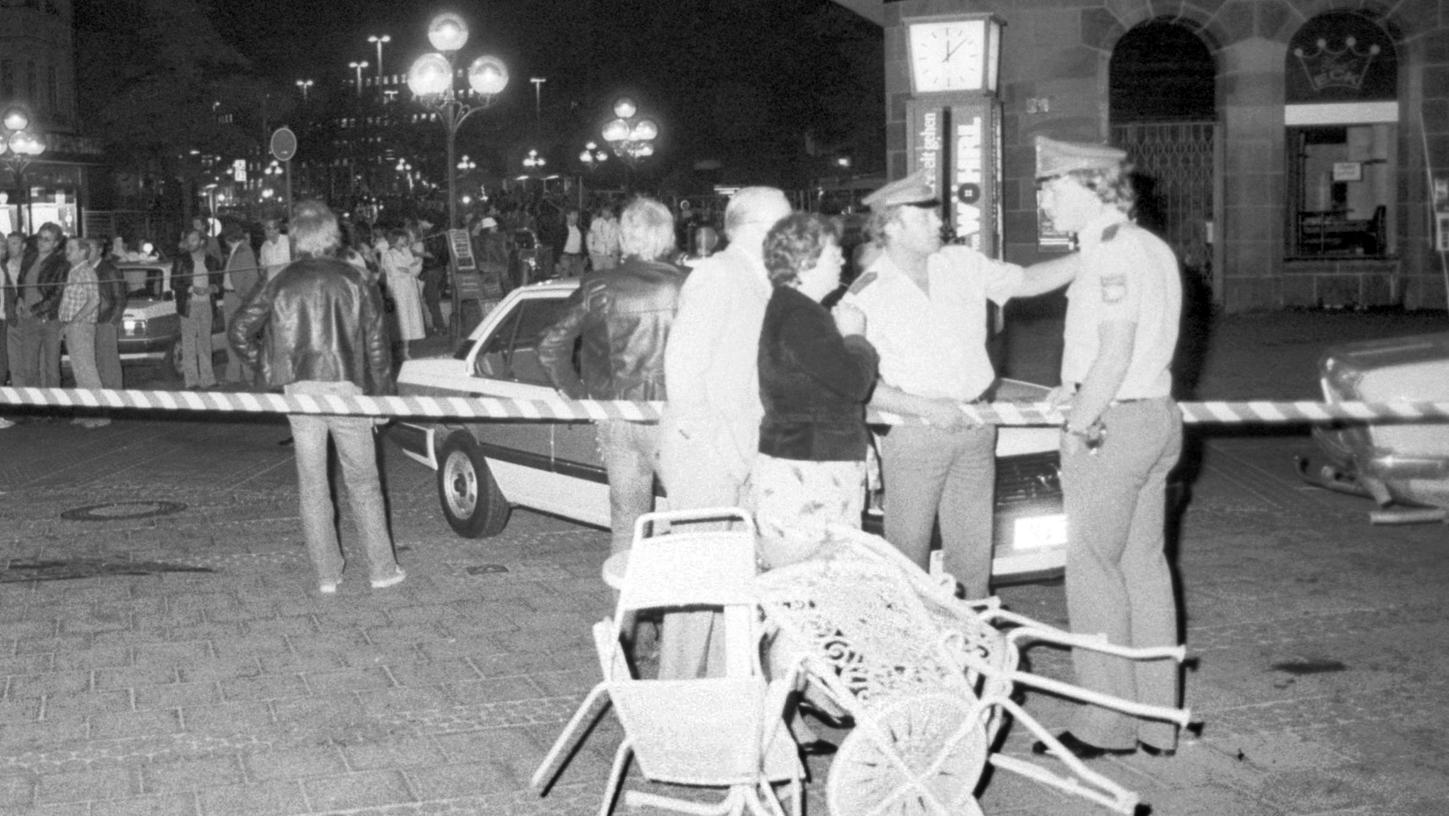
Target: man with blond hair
{"x":622,"y":317}
{"x":317,"y":328}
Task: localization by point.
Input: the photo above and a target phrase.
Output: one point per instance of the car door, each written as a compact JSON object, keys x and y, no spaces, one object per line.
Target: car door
{"x":549,"y":466}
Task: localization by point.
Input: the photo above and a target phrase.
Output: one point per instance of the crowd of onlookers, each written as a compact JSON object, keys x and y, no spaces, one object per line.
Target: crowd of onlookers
{"x":56,"y":288}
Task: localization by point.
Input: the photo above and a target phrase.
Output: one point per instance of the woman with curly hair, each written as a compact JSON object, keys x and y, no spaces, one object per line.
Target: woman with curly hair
{"x":816,"y":372}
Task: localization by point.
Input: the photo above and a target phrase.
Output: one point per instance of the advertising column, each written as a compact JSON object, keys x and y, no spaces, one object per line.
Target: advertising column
{"x":953,"y":116}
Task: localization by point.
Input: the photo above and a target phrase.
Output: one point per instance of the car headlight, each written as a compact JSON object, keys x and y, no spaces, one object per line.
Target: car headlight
{"x":132,"y":326}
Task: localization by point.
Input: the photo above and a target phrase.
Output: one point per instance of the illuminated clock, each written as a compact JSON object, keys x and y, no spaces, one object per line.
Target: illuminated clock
{"x":949,"y":54}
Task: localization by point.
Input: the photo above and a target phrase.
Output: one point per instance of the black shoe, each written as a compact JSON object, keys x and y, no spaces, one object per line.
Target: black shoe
{"x":818,"y":747}
{"x":1079,"y":749}
{"x":1154,"y":751}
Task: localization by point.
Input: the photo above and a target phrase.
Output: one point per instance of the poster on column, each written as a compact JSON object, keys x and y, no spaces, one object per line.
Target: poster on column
{"x":973,"y":177}
{"x":926,"y":120}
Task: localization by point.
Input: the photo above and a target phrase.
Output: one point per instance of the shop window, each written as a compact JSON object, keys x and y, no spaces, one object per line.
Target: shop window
{"x":1344,"y":183}
{"x":1342,"y":112}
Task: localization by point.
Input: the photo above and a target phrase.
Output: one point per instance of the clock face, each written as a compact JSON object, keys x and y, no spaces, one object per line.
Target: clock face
{"x":948,"y":55}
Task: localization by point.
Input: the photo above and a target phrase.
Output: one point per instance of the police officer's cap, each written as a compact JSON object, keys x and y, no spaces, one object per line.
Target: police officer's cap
{"x":1054,"y":158}
{"x":914,"y":189}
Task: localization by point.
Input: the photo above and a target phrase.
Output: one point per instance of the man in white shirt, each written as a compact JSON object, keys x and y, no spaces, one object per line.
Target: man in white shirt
{"x":925,"y":310}
{"x":571,"y":260}
{"x":604,"y":240}
{"x":276,"y":249}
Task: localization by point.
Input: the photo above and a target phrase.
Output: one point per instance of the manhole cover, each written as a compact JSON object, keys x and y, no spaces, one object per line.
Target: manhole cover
{"x":123,"y":510}
{"x":486,"y":569}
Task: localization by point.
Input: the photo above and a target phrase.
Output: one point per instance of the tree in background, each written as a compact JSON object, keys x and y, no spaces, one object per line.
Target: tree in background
{"x":159,"y":85}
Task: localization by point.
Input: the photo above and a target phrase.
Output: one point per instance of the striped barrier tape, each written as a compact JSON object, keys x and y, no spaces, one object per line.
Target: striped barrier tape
{"x":560,"y":410}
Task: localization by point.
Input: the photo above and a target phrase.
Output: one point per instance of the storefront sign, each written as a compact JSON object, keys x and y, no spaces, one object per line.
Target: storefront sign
{"x":1339,"y":57}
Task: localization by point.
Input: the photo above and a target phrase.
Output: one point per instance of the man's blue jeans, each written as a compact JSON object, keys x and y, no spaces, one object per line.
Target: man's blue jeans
{"x":357,"y":453}
{"x":630,"y":451}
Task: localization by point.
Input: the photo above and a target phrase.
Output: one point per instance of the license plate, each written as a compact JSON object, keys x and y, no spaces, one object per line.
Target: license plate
{"x":1040,"y":532}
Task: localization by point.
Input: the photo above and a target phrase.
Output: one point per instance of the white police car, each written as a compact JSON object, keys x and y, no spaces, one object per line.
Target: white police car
{"x":485,"y":466}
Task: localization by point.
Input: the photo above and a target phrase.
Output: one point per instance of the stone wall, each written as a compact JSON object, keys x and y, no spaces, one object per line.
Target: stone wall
{"x":1059,"y":52}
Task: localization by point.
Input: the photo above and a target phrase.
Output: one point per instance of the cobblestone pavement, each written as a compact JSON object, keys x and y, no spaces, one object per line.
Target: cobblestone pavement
{"x":162,"y":650}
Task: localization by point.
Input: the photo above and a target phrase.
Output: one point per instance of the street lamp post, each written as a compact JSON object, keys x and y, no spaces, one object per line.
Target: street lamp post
{"x":305,"y":85}
{"x":406,"y":168}
{"x":358,"y":66}
{"x":18,"y":148}
{"x":431,"y":79}
{"x":591,"y":157}
{"x":534,"y":162}
{"x":630,"y":136}
{"x":537,"y":99}
{"x":379,"y":39}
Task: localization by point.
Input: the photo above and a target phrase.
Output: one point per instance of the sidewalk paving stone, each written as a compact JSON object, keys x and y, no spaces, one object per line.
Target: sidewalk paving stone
{"x":181,"y":663}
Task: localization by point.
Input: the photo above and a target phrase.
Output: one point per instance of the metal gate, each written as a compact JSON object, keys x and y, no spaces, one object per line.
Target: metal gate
{"x":1175,"y":197}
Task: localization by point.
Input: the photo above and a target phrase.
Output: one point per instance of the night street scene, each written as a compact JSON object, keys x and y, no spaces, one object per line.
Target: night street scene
{"x":851,"y":407}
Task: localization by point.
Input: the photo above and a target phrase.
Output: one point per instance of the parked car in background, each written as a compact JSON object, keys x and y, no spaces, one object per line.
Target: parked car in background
{"x":485,"y":466}
{"x":1402,"y":465}
{"x":150,"y":327}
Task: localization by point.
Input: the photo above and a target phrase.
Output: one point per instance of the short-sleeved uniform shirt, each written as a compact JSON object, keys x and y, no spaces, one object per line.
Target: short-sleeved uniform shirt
{"x":1130,"y":275}
{"x":934,"y":345}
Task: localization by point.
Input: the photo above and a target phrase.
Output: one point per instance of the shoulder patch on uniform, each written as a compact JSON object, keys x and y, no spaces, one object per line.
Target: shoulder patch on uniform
{"x":1114,"y":288}
{"x":1111,"y":232}
{"x":862,"y":282}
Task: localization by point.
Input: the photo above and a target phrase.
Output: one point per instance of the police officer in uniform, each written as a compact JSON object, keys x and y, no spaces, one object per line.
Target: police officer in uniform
{"x":1122,"y":435}
{"x":925,"y":313}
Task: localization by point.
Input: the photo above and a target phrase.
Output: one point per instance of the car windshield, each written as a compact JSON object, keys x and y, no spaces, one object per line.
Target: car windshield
{"x":511,"y":351}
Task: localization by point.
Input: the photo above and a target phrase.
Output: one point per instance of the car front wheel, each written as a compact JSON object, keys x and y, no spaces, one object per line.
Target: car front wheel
{"x":471,"y":500}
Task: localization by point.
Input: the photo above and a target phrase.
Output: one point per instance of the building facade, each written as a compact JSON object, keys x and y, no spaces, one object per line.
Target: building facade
{"x":37,"y":74}
{"x":1307,"y":167}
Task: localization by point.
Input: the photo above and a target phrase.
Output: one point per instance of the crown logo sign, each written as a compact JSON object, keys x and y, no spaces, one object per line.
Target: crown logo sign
{"x":1336,"y":68}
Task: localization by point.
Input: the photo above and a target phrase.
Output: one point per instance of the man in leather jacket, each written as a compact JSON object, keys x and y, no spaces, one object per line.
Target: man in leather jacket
{"x":43,"y":271}
{"x":317,"y":328}
{"x":621,"y":319}
{"x":196,"y":283}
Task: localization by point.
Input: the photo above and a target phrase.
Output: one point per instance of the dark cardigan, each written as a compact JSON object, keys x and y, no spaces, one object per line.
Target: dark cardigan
{"x":813,"y":383}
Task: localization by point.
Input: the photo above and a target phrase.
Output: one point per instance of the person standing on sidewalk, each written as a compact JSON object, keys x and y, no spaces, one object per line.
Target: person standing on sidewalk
{"x":1122,"y":435}
{"x":79,"y":304}
{"x":571,"y":256}
{"x":109,"y":316}
{"x":37,"y":301}
{"x":604,"y":239}
{"x":239,"y":278}
{"x":10,"y":254}
{"x":710,"y":432}
{"x":925,"y":310}
{"x":196,"y":283}
{"x":276,"y":249}
{"x":317,"y":328}
{"x":622,"y":316}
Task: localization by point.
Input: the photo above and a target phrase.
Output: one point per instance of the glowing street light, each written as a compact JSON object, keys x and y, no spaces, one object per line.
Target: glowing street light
{"x":358,"y":66}
{"x":305,"y":85}
{"x":18,"y":148}
{"x":533,"y":161}
{"x":629,"y":137}
{"x":592,"y":156}
{"x":537,"y":98}
{"x":431,"y":79}
{"x":379,"y":39}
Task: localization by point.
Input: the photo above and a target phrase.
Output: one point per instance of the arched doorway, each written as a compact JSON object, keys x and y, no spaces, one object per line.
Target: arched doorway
{"x":1162,"y":111}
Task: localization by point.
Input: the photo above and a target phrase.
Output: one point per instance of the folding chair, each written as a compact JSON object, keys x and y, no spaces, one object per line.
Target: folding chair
{"x":708,"y":732}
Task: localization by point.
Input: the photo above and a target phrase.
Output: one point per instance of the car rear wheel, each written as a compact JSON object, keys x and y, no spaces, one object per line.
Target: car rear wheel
{"x":471,"y":500}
